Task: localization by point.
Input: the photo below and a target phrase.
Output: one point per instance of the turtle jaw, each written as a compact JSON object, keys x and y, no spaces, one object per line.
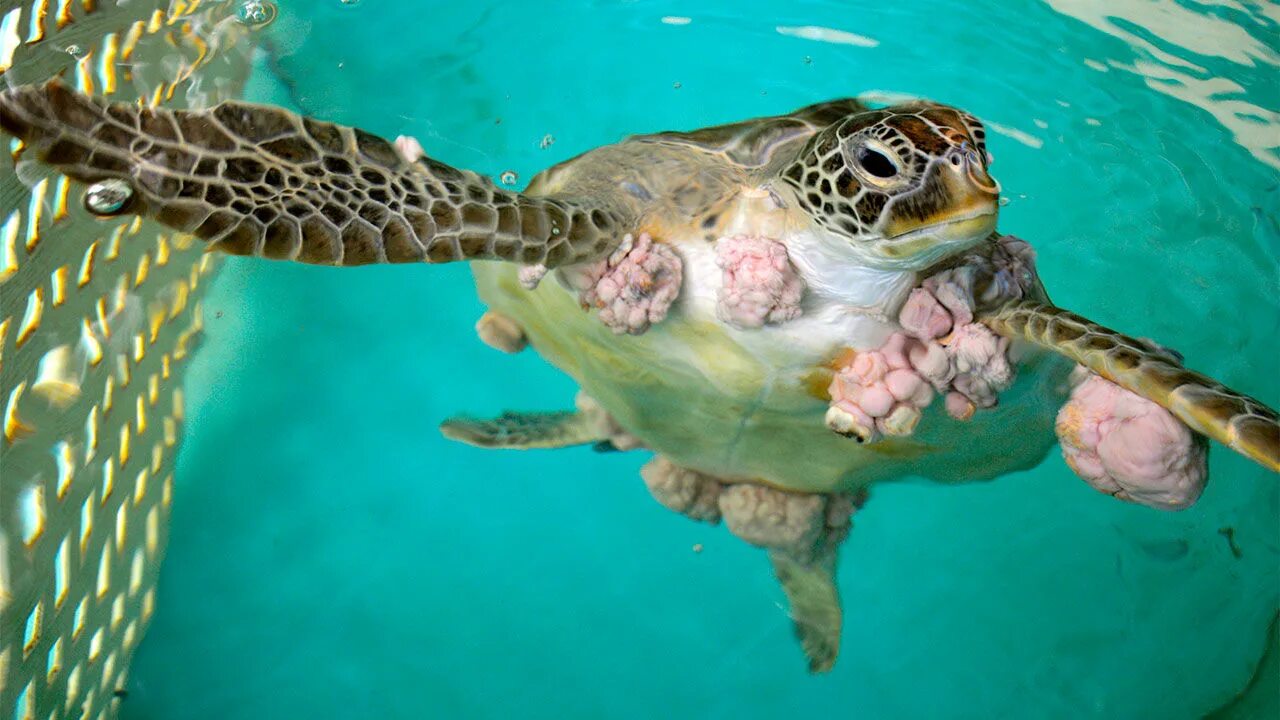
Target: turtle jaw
{"x":926,"y":245}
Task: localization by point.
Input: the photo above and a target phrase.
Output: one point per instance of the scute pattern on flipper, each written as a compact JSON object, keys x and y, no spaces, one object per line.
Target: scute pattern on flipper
{"x":1207,"y":406}
{"x":256,"y":180}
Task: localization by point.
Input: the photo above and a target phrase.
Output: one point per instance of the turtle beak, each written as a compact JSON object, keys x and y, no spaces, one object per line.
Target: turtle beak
{"x":957,"y":201}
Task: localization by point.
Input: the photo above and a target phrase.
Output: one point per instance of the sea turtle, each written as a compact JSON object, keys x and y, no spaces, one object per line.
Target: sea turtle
{"x":769,"y":306}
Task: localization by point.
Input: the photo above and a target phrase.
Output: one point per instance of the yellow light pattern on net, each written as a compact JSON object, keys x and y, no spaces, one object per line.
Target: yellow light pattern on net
{"x":84,"y":75}
{"x":86,"y":265}
{"x":31,"y":318}
{"x":63,"y":17}
{"x":113,"y":243}
{"x":140,"y":415}
{"x":65,"y":460}
{"x":157,"y":457}
{"x":14,"y":427}
{"x":58,"y":282}
{"x":10,"y":40}
{"x":162,"y":249}
{"x":108,"y":481}
{"x":35,"y":209}
{"x":107,"y":66}
{"x":125,"y":440}
{"x":73,"y":673}
{"x":91,"y":434}
{"x":39,"y":11}
{"x":8,"y":246}
{"x":131,"y":39}
{"x":122,"y":526}
{"x":144,"y":268}
{"x":89,"y":342}
{"x":60,"y":196}
{"x":140,"y":486}
{"x":108,"y":394}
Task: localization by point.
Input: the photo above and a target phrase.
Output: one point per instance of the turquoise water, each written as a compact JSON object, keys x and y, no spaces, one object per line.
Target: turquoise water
{"x":332,"y":556}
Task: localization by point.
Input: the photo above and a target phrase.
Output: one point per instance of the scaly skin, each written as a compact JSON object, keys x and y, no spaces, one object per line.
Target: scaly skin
{"x":1208,"y":407}
{"x":245,"y":178}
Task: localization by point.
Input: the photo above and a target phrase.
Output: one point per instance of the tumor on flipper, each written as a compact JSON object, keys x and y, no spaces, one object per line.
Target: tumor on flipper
{"x":1129,"y":447}
{"x":633,"y":288}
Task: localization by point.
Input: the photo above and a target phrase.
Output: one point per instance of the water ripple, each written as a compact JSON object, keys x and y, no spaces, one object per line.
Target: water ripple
{"x":823,"y":34}
{"x":1255,"y":128}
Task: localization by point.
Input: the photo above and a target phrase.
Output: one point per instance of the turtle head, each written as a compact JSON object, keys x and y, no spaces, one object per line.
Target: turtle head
{"x":904,"y":186}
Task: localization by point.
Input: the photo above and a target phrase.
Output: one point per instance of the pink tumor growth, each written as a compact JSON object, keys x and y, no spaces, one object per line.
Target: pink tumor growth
{"x":963,"y":358}
{"x":1127,"y":446}
{"x":941,"y":349}
{"x":633,"y":288}
{"x":878,"y":393}
{"x":759,"y":284}
{"x":409,"y":148}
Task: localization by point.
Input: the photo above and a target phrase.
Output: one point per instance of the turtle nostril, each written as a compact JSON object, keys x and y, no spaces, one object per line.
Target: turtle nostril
{"x":984,"y":182}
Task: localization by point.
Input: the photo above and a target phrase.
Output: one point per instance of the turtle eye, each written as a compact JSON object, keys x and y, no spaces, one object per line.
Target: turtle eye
{"x":876,"y":163}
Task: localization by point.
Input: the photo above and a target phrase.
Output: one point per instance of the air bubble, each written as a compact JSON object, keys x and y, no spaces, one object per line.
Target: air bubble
{"x":1004,"y":201}
{"x":350,"y":2}
{"x":76,"y":51}
{"x":108,"y":197}
{"x":808,"y":60}
{"x":547,"y":141}
{"x":509,"y":177}
{"x":255,"y":13}
{"x":677,"y":85}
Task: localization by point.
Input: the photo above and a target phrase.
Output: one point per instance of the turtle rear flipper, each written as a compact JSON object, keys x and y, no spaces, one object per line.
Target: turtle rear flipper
{"x":258,"y":180}
{"x":810,"y":586}
{"x":524,"y":431}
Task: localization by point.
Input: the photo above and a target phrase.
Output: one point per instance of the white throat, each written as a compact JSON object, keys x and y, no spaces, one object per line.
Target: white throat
{"x":834,"y":272}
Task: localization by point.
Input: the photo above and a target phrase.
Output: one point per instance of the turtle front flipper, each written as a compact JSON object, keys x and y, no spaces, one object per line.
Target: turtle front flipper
{"x":258,"y":180}
{"x":1236,"y":420}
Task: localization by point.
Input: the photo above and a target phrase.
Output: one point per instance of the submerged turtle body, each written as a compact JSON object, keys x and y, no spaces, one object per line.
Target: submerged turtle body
{"x":771,"y":306}
{"x":748,"y":404}
{"x":710,"y":399}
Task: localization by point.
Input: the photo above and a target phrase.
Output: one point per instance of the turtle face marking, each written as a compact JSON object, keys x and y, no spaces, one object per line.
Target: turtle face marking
{"x":905,"y":185}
